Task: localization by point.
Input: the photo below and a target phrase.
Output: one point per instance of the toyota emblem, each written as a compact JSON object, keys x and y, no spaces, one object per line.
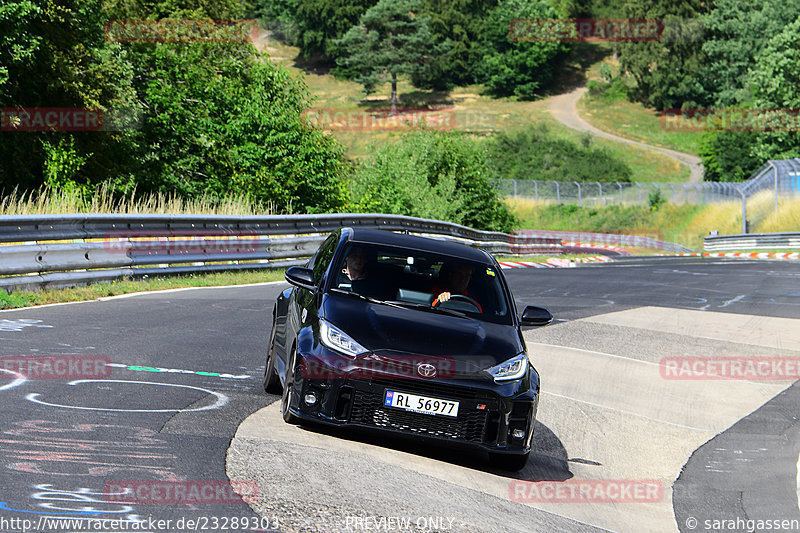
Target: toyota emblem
{"x":426,"y":370}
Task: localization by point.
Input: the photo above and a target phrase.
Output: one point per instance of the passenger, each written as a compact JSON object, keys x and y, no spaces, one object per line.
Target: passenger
{"x":454,"y":278}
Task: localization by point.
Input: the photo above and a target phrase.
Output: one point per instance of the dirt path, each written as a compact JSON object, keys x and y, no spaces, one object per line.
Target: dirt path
{"x":564,"y":108}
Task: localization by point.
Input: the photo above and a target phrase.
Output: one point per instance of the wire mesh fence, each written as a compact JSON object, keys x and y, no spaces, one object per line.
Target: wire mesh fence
{"x":781,"y":176}
{"x":601,"y":194}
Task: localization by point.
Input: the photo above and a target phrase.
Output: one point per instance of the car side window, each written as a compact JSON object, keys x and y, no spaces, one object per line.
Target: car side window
{"x":323,"y":258}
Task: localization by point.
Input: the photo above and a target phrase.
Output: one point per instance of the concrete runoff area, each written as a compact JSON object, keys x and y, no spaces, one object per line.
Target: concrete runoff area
{"x":769,"y":332}
{"x":616,"y":417}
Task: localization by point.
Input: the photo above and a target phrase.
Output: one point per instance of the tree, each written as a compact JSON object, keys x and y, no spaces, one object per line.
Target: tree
{"x":772,"y":87}
{"x":441,"y":175}
{"x":736,"y":31}
{"x":775,"y":87}
{"x":217,"y":117}
{"x":518,"y":67}
{"x":457,"y":27}
{"x":322,"y":22}
{"x":54,"y":55}
{"x":666,"y":71}
{"x":727,"y":155}
{"x":390,"y":40}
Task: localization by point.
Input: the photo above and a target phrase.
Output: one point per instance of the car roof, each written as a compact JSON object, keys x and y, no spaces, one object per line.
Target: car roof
{"x":414,"y":242}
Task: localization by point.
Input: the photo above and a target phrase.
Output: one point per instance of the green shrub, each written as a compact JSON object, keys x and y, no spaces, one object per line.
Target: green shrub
{"x":656,"y":199}
{"x":441,"y":175}
{"x":534,"y":155}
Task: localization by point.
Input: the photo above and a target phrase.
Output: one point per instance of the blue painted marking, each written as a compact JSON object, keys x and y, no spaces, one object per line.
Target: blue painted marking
{"x":77,"y":513}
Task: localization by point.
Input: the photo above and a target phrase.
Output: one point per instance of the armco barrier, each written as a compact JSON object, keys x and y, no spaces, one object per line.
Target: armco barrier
{"x":65,"y":250}
{"x":609,"y":238}
{"x":753,"y":241}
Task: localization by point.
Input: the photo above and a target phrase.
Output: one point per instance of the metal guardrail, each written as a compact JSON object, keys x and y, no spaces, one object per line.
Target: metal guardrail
{"x":642,"y":241}
{"x":66,"y":250}
{"x":752,"y":241}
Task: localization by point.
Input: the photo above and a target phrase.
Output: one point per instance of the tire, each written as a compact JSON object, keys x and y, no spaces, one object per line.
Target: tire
{"x":506,"y":461}
{"x":288,"y":390}
{"x":271,"y":381}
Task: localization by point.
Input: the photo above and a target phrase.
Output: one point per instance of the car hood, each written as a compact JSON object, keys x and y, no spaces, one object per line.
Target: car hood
{"x":387,"y":330}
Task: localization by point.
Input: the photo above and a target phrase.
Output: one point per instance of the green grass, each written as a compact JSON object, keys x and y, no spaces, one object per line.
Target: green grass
{"x":468,"y":109}
{"x":19,"y":299}
{"x":669,"y":223}
{"x":636,"y":122}
{"x":632,"y":120}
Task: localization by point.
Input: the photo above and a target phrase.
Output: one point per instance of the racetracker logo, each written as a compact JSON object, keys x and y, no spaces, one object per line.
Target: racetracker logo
{"x":380,"y":367}
{"x":181,"y":492}
{"x":780,"y":368}
{"x":67,"y":119}
{"x":155,"y":243}
{"x":56,"y":366}
{"x":723,"y":119}
{"x":180,"y":31}
{"x":333,"y":119}
{"x":587,"y":491}
{"x":585,"y":30}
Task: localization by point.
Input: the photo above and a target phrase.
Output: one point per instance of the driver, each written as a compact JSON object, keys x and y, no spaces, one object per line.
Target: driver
{"x":454,"y":279}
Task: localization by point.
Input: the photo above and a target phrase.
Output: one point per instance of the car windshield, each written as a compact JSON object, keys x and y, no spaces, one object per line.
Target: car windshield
{"x":422,"y":280}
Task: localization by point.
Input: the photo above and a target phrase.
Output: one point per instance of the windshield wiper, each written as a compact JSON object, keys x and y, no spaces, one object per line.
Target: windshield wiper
{"x":401,"y":304}
{"x":427,"y":307}
{"x":363,"y":297}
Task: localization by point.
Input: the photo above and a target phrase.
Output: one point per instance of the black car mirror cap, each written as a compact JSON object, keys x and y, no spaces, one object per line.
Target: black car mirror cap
{"x":535,"y":316}
{"x":301,"y":277}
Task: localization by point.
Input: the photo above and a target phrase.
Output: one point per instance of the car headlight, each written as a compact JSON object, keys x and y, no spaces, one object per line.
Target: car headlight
{"x":338,"y":340}
{"x":513,"y":368}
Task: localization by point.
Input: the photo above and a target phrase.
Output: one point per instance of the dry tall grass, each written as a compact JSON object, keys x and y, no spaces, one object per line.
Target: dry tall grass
{"x":787,"y":217}
{"x":678,"y":223}
{"x":50,"y":201}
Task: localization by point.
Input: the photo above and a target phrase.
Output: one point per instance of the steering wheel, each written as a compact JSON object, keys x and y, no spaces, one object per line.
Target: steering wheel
{"x":462,"y":297}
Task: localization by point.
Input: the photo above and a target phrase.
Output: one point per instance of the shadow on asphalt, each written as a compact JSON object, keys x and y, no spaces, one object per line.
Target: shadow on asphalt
{"x":548,"y":460}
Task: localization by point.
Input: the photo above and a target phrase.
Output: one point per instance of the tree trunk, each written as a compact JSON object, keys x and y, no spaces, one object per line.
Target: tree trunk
{"x":393,"y":112}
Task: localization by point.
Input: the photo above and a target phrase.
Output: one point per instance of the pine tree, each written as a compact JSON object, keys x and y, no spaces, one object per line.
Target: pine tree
{"x":391,"y":39}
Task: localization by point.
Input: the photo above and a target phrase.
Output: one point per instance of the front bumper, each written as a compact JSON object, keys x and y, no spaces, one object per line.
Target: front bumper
{"x":488,"y":414}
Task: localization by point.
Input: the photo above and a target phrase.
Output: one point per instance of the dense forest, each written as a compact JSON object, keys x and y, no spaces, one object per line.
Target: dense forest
{"x":217,"y":117}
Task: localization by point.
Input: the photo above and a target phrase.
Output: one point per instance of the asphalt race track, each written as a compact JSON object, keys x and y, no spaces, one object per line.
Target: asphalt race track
{"x":180,"y":404}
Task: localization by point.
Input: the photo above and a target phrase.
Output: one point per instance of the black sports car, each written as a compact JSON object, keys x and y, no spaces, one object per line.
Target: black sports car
{"x":410,"y":335}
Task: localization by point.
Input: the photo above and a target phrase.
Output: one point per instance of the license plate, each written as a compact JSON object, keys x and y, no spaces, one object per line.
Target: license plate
{"x":420,"y":404}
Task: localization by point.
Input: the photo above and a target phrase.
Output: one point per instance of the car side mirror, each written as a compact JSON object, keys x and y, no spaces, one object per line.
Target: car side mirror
{"x":301,"y":277}
{"x":536,"y":316}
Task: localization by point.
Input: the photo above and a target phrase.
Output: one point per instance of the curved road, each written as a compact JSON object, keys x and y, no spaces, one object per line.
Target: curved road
{"x":181,"y":404}
{"x":564,"y":107}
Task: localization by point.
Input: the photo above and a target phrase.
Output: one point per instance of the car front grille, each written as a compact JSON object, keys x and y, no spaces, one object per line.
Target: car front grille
{"x":470,"y":425}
